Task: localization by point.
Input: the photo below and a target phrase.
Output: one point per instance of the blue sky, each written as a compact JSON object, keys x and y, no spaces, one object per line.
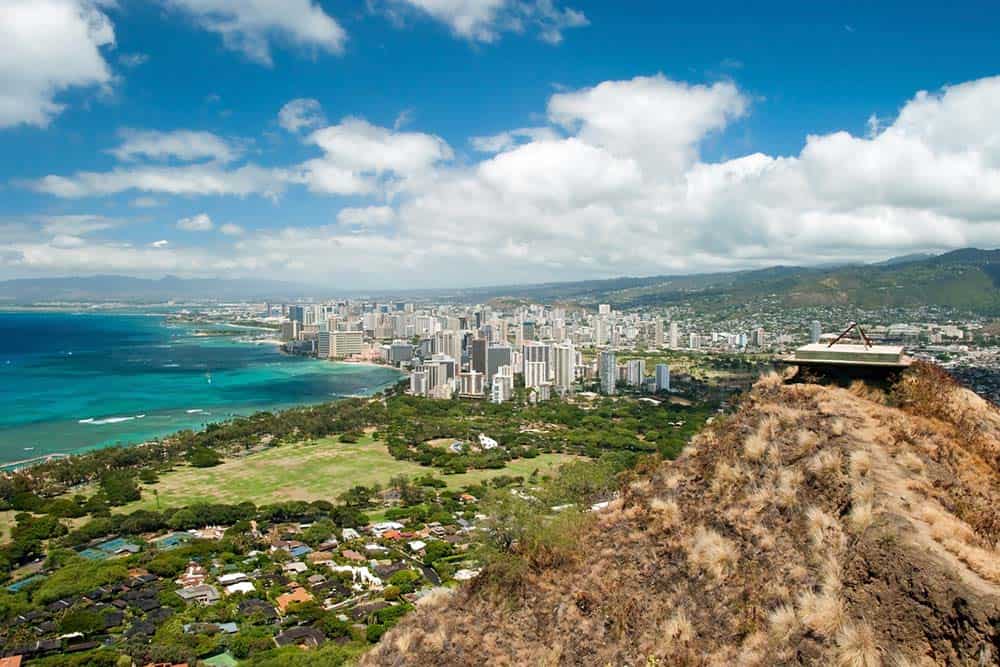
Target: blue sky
{"x":148,"y":138}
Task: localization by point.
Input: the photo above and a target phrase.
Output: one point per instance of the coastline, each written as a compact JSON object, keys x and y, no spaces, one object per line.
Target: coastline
{"x":234,"y":393}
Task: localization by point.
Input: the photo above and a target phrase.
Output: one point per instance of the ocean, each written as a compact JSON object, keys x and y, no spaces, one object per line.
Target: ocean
{"x":70,"y":382}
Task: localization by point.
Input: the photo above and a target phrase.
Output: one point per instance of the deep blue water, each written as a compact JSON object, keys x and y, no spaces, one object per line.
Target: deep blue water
{"x":71,"y":382}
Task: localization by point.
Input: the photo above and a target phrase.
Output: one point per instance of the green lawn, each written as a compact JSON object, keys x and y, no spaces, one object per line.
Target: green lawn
{"x":318,"y":470}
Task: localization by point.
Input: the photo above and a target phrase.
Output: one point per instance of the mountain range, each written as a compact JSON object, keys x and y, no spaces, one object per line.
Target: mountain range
{"x":966,"y":280}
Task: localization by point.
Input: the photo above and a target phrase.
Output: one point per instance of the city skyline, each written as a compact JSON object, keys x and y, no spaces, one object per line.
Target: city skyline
{"x":343,"y":145}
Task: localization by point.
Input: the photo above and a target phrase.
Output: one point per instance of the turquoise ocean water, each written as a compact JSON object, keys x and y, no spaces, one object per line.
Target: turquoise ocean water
{"x":76,"y":381}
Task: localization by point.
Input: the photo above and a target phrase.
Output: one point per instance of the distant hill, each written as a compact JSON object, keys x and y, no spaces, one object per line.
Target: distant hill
{"x":123,"y":288}
{"x":967,"y":280}
{"x":815,"y":526}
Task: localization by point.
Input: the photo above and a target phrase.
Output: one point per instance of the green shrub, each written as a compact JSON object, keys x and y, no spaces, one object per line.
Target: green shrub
{"x":374,"y":632}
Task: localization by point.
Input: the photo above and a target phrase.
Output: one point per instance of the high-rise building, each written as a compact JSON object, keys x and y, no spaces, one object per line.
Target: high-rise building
{"x":815,"y":331}
{"x":289,"y":330}
{"x":497,"y":355}
{"x":658,"y":333}
{"x":399,"y":352}
{"x":662,"y":377}
{"x":636,"y":372}
{"x":471,"y":384}
{"x":604,"y":309}
{"x":675,"y":336}
{"x":608,"y":370}
{"x":323,"y":344}
{"x":477,"y":359}
{"x":296,"y":314}
{"x":502,"y":388}
{"x":536,"y":373}
{"x":418,"y":382}
{"x":563,"y":367}
{"x":345,"y":343}
{"x":759,"y":337}
{"x":535,"y":351}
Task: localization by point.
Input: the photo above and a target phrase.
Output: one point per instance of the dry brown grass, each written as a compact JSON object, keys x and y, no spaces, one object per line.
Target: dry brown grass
{"x":783,"y":622}
{"x":856,"y":646}
{"x":814,"y":525}
{"x":711,"y":552}
{"x":822,"y":612}
{"x":668,"y":511}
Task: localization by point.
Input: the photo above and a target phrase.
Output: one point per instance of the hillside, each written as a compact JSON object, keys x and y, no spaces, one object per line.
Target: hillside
{"x":815,"y":525}
{"x":967,"y":280}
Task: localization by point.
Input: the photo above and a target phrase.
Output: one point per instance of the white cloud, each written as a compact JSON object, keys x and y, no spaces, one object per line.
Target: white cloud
{"x":196,"y":179}
{"x":485,"y":20}
{"x":230,"y":229}
{"x":49,"y":46}
{"x":360,"y":157}
{"x":182,"y":145}
{"x":654,"y":120}
{"x":162,"y":243}
{"x":146,"y":202}
{"x":367,"y":217}
{"x":615,"y":184}
{"x":196,"y":223}
{"x":506,"y":140}
{"x":250,"y":26}
{"x":74,"y":225}
{"x":301,"y":114}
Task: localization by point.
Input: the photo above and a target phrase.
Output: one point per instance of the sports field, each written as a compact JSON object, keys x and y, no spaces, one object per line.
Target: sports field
{"x":318,"y":470}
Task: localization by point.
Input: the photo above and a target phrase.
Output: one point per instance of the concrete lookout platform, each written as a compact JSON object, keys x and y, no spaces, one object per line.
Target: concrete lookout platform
{"x":846,"y":362}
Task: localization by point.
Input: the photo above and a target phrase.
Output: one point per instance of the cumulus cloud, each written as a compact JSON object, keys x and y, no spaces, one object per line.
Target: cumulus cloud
{"x":301,"y":114}
{"x":182,"y":145}
{"x":485,"y":20}
{"x":250,"y":27}
{"x":49,"y":46}
{"x":615,"y":183}
{"x":359,"y":157}
{"x":162,"y":243}
{"x":196,"y":223}
{"x":503,"y":141}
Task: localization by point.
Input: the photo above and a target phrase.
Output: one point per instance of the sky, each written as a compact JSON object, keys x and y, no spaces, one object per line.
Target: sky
{"x":453,"y":143}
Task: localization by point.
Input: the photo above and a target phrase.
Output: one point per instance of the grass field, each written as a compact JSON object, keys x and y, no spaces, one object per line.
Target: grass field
{"x":318,"y":470}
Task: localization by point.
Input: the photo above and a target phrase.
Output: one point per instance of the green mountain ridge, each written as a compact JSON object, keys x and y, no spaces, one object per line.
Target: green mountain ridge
{"x":966,"y":280}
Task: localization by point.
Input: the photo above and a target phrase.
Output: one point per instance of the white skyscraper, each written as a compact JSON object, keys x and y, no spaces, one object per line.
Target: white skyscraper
{"x":503,"y":385}
{"x":418,"y":383}
{"x":675,"y":336}
{"x":604,"y":309}
{"x":658,"y":333}
{"x":563,"y":364}
{"x":536,"y":373}
{"x":636,"y":372}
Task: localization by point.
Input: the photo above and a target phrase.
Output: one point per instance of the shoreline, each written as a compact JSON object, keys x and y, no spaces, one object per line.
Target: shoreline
{"x":18,"y":461}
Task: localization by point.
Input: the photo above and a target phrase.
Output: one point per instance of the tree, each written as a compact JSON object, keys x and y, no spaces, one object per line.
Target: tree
{"x":119,"y":487}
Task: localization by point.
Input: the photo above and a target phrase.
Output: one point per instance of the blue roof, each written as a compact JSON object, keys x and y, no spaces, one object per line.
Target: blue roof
{"x":300,"y":551}
{"x":19,"y":585}
{"x":94,"y":554}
